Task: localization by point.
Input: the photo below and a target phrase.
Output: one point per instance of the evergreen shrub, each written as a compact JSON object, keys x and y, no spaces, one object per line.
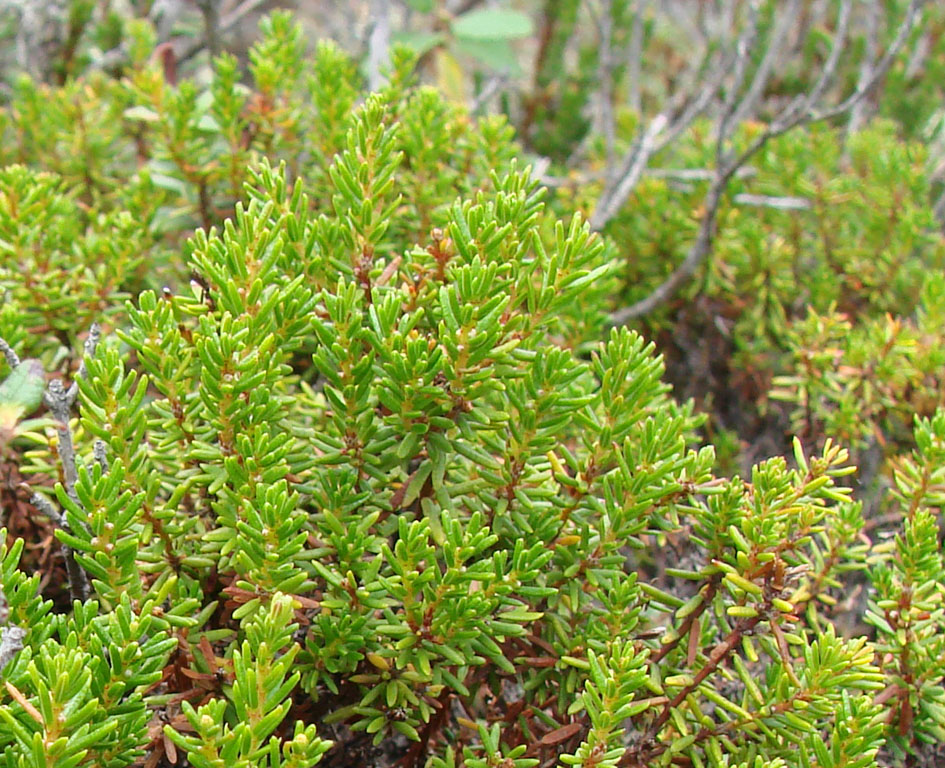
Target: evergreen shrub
{"x":369,"y":481}
{"x":816,"y":227}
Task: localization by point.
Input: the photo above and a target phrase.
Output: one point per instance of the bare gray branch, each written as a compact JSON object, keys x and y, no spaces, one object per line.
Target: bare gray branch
{"x":13,"y":359}
{"x":378,"y":44}
{"x":802,"y":110}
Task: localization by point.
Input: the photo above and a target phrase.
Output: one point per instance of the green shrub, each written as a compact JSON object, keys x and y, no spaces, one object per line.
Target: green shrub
{"x":857,"y":236}
{"x":364,"y":473}
{"x":870,"y":381}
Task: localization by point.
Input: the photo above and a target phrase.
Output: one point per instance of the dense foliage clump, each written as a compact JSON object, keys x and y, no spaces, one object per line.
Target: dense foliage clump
{"x":316,"y":445}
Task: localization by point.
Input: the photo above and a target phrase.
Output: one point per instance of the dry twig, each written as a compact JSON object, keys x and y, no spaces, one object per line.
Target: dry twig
{"x":60,"y":401}
{"x":802,"y":110}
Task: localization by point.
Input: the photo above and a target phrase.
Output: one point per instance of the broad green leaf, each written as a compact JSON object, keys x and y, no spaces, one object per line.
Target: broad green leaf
{"x":493,"y":24}
{"x":21,"y":392}
{"x":449,"y":76}
{"x":497,"y":55}
{"x":418,"y":42}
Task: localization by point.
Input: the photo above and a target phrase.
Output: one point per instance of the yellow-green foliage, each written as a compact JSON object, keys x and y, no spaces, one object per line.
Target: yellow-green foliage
{"x":370,"y":470}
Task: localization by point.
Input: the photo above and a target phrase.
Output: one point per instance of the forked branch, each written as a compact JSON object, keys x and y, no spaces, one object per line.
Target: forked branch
{"x":802,"y":110}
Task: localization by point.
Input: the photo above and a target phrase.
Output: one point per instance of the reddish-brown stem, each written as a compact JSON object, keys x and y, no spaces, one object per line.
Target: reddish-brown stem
{"x":716,"y":655}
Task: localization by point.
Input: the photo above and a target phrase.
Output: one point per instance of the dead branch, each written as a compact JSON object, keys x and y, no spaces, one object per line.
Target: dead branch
{"x":378,"y":43}
{"x":803,"y":110}
{"x":60,"y":402}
